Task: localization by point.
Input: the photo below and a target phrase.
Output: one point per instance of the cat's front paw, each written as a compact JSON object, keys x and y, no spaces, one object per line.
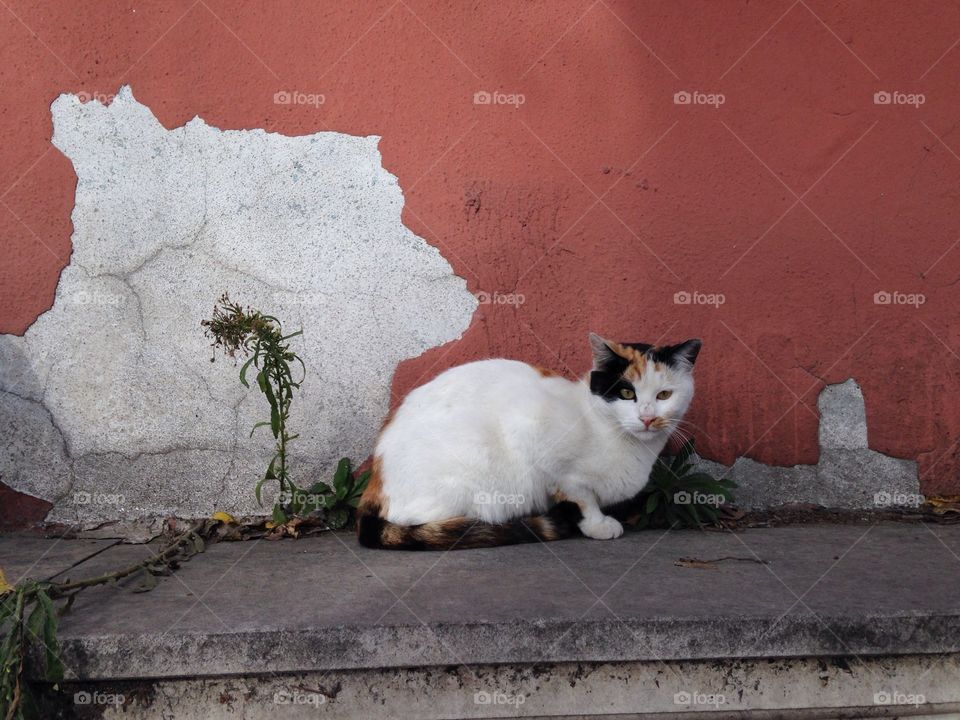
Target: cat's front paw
{"x":606,"y":528}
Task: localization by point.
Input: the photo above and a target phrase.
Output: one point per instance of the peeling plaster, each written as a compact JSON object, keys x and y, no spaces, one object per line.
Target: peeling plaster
{"x":112,"y":391}
{"x":848,"y":474}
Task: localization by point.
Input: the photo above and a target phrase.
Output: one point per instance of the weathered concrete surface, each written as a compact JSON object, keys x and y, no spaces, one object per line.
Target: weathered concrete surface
{"x":848,"y":474}
{"x":109,"y":405}
{"x":826,"y":688}
{"x":46,"y":559}
{"x":328,"y":604}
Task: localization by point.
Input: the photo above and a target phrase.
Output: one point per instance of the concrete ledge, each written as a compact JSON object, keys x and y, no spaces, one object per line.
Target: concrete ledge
{"x":326,"y":604}
{"x":756,"y":689}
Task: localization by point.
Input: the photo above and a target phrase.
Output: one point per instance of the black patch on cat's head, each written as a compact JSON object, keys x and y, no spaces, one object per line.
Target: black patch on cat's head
{"x":608,"y":384}
{"x":676,"y":356}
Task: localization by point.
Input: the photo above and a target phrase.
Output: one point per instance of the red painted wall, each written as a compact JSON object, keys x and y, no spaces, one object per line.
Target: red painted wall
{"x":598,"y":198}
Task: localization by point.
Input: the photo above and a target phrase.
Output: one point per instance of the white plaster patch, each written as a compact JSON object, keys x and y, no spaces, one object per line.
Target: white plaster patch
{"x":116,"y":379}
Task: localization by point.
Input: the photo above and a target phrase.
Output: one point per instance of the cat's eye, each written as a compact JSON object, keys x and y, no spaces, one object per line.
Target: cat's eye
{"x":627,"y":394}
{"x":664,"y":394}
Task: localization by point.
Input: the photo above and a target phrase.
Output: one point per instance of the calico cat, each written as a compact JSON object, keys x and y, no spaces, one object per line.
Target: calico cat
{"x":498,"y":452}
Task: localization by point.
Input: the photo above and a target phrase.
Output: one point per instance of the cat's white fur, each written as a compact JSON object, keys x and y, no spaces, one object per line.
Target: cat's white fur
{"x":495,"y":440}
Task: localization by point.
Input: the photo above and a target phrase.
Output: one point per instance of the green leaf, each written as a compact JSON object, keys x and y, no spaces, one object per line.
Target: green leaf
{"x":243,"y":371}
{"x":259,"y":424}
{"x":275,"y":421}
{"x":262,"y":381}
{"x":50,"y":642}
{"x":279,"y":516}
{"x":362,"y":480}
{"x":256,"y":490}
{"x":651,"y":503}
{"x":292,"y":335}
{"x":341,"y":474}
{"x":35,"y":623}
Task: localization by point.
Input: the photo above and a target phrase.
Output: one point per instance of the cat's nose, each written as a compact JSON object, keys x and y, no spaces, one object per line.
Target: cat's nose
{"x":647,"y":420}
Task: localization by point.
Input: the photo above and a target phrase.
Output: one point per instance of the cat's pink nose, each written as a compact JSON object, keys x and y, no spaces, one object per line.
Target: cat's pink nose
{"x":647,"y":420}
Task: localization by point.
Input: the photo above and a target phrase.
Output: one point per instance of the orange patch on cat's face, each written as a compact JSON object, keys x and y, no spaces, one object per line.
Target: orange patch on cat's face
{"x":637,"y":360}
{"x":546,"y":372}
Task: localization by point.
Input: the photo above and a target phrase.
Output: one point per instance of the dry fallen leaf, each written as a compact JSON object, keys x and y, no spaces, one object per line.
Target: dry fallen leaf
{"x":223,"y":517}
{"x":4,"y":585}
{"x":942,"y":504}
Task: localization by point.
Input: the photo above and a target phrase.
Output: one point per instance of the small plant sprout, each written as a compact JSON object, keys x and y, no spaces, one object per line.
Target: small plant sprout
{"x":678,"y":497}
{"x":261,"y":338}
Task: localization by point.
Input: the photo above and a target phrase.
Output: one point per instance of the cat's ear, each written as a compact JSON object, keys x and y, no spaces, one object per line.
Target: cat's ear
{"x":687,"y":351}
{"x":602,"y":353}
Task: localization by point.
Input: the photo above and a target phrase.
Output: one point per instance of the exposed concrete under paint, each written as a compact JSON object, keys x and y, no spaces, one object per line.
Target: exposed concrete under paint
{"x":109,"y":404}
{"x":848,"y":473}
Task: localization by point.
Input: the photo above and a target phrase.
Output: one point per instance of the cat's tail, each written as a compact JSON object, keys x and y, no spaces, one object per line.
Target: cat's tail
{"x":374,"y":531}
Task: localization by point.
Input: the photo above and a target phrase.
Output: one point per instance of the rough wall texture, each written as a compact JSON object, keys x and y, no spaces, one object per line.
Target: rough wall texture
{"x":779,"y":178}
{"x":109,"y":404}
